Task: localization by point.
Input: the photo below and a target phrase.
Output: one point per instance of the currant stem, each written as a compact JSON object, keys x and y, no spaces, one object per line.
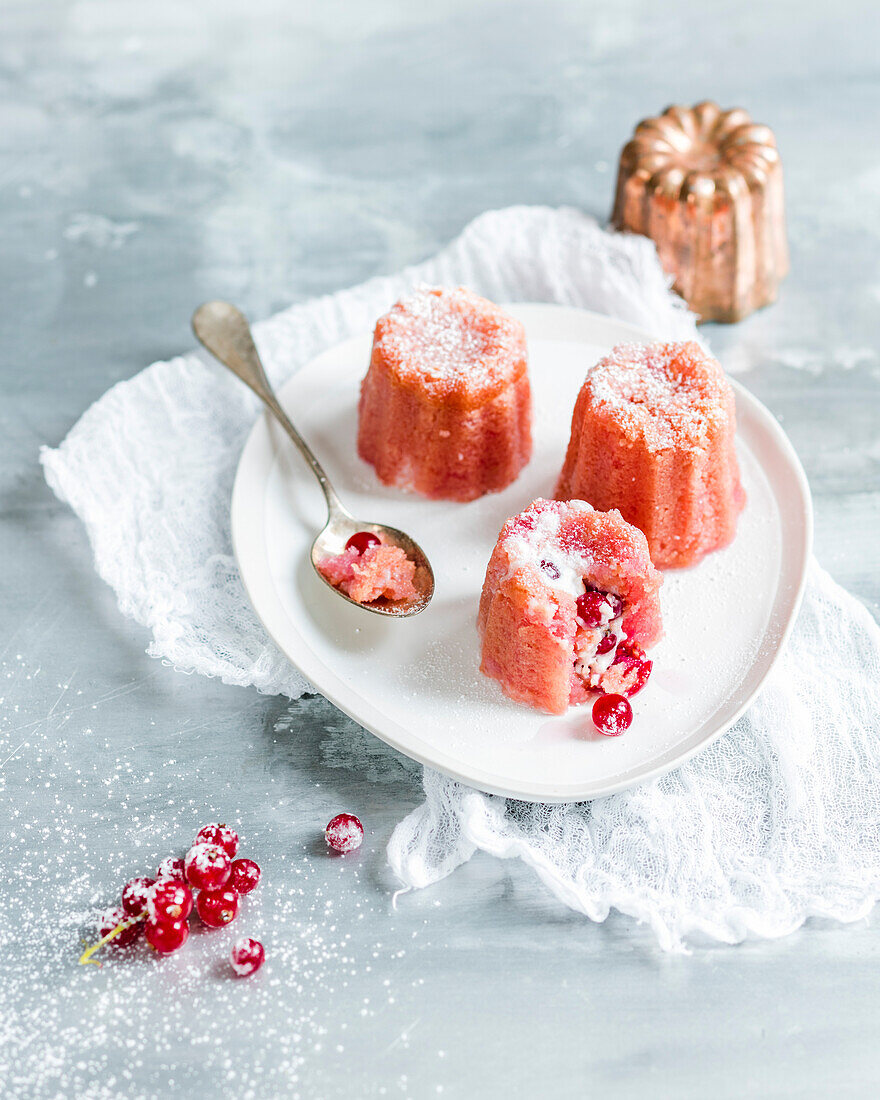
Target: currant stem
{"x":86,"y":956}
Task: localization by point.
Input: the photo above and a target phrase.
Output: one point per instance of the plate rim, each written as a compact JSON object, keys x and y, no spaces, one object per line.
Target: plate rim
{"x":247,"y":515}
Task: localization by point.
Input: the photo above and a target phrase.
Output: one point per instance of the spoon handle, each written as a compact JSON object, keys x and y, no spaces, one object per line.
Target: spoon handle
{"x":225,"y":332}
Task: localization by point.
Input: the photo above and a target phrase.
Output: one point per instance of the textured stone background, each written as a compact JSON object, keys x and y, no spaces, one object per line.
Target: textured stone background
{"x":154,"y":155}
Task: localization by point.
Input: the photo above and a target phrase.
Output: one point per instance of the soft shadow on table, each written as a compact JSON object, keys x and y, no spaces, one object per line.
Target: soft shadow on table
{"x":357,"y":772}
{"x":354,"y":771}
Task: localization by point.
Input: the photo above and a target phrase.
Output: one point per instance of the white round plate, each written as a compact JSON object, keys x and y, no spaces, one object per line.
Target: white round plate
{"x":416,"y":682}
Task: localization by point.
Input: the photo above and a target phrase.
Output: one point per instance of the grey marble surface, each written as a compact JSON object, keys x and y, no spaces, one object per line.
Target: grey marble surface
{"x":154,"y":155}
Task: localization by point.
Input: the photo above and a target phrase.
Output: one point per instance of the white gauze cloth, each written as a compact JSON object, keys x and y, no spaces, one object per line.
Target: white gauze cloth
{"x":776,"y":822}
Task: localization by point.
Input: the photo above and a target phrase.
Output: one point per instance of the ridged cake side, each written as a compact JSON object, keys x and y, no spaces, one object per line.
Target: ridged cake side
{"x":653,"y":434}
{"x":445,"y":407}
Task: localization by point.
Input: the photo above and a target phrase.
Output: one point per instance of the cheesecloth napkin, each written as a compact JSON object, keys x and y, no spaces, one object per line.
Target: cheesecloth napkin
{"x":777,"y":821}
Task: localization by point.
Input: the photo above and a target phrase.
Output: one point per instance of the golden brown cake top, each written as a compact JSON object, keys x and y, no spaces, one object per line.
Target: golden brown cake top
{"x":447,"y":342}
{"x":666,"y":395}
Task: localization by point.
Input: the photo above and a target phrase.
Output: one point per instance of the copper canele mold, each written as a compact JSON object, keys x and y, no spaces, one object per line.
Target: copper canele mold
{"x":706,"y":186}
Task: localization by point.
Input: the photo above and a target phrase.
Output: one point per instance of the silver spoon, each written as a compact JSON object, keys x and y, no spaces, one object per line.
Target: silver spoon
{"x":225,"y":332}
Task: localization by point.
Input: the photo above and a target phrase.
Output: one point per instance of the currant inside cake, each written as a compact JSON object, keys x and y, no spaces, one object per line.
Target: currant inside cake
{"x":368,"y":570}
{"x":569,"y":604}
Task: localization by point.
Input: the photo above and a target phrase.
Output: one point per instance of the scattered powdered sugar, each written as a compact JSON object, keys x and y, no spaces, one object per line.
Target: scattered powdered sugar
{"x":85,"y":808}
{"x":669,"y":393}
{"x":451,"y":336}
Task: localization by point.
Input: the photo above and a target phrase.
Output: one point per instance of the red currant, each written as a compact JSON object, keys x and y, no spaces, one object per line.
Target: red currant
{"x":245,"y":875}
{"x":110,"y":920}
{"x":247,"y":956}
{"x":207,"y":866}
{"x":609,"y":641}
{"x":344,"y":833}
{"x":169,"y":901}
{"x":217,"y":907}
{"x":362,"y":541}
{"x":612,"y":715}
{"x":134,"y":896}
{"x":590,"y":606}
{"x":166,"y":936}
{"x":171,"y":867}
{"x":637,"y":665}
{"x":550,"y":569}
{"x":219,"y":835}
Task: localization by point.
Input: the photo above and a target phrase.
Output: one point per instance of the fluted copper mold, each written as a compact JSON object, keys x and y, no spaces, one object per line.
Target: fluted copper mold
{"x":706,"y":186}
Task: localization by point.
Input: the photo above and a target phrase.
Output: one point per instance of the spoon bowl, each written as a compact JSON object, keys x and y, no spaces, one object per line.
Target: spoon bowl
{"x":224,"y":331}
{"x":339,"y":529}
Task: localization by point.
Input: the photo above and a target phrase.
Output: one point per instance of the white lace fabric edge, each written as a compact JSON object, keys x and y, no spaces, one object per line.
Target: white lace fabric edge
{"x":776,"y":822}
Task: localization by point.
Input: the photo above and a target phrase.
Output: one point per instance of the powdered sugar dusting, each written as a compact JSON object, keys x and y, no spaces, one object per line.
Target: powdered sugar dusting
{"x":85,"y":808}
{"x":668,"y":393}
{"x":450,"y":337}
{"x":534,"y":538}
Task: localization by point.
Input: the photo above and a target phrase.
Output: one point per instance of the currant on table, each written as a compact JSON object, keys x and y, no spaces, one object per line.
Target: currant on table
{"x":207,"y":866}
{"x":172,"y":867}
{"x":217,"y":907}
{"x":344,"y":833}
{"x":222,"y":836}
{"x":244,"y":876}
{"x":246,"y":956}
{"x":169,"y":901}
{"x":207,"y":880}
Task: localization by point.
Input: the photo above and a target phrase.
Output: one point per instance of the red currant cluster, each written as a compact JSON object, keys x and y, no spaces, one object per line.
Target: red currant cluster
{"x":209,"y":876}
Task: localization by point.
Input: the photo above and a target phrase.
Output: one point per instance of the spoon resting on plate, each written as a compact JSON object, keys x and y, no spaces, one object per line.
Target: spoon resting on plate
{"x":225,"y":332}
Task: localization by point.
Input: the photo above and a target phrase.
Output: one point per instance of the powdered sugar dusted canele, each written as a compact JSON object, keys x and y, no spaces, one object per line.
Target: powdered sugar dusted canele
{"x":535,"y":641}
{"x":445,"y":407}
{"x":652,"y":434}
